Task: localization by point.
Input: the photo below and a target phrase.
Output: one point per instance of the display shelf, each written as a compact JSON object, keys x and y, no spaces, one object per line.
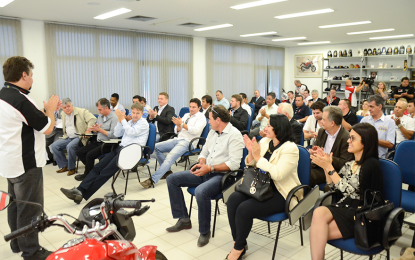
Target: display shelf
{"x":341,"y":69}
{"x":341,"y":81}
{"x":389,"y":56}
{"x":386,"y":69}
{"x":342,"y":58}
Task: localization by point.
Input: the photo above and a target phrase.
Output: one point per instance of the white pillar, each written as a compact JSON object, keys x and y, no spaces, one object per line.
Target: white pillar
{"x":199,"y":67}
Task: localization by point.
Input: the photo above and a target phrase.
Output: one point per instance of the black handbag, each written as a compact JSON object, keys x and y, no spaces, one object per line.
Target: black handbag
{"x":256,"y":184}
{"x":370,"y":221}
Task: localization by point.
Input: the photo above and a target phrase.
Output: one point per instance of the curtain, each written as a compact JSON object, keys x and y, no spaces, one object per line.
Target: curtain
{"x":86,"y":64}
{"x":11,"y":41}
{"x":238,"y":67}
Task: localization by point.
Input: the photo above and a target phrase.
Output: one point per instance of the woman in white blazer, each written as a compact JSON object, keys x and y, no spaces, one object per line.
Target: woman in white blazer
{"x":277,"y":154}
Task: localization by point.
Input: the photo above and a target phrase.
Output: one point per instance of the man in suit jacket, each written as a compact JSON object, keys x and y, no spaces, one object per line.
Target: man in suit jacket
{"x":332,"y":138}
{"x":331,"y":99}
{"x":258,"y":101}
{"x":206,"y":105}
{"x":287,"y":110}
{"x":315,"y":98}
{"x":239,"y":116}
{"x":162,"y":116}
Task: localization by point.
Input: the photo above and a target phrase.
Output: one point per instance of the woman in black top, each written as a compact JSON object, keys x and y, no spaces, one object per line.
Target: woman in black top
{"x":364,"y":172}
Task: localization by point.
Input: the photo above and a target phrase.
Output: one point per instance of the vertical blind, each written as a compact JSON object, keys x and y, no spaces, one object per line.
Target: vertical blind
{"x":86,"y":64}
{"x":11,"y":41}
{"x":239,"y":67}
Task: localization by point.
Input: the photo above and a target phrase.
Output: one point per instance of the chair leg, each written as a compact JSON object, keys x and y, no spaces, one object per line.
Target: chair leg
{"x":214,"y":219}
{"x":126,"y":182}
{"x":138,"y":177}
{"x":388,"y":254}
{"x":185,"y":165}
{"x":371,"y":257}
{"x":269,"y":228}
{"x":149,"y":173}
{"x":77,"y":165}
{"x":341,"y":254}
{"x":190,"y":210}
{"x":301,"y":233}
{"x":276,"y":240}
{"x":155,"y":167}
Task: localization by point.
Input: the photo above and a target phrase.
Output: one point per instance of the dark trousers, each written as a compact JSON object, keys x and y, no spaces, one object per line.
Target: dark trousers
{"x":100,"y":174}
{"x":56,"y":133}
{"x":89,"y":153}
{"x":242,"y":210}
{"x":317,"y":176}
{"x":27,"y":187}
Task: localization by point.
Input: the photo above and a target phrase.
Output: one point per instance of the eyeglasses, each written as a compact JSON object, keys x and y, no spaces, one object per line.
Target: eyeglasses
{"x":216,"y":113}
{"x":352,"y":138}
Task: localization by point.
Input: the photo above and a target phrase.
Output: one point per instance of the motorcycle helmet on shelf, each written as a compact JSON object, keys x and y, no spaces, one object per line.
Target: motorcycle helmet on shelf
{"x":329,"y":54}
{"x":335,"y":54}
{"x":389,"y":52}
{"x":374,"y":51}
{"x":409,"y":49}
{"x":346,"y":75}
{"x":335,"y":67}
{"x":351,"y":66}
{"x":396,"y":50}
{"x":402,"y":49}
{"x":357,"y":66}
{"x":365,"y":52}
{"x":350,"y":54}
{"x":328,"y":67}
{"x":369,"y":52}
{"x":383,"y":50}
{"x":356,"y":78}
{"x":379,"y":51}
{"x":363,"y":66}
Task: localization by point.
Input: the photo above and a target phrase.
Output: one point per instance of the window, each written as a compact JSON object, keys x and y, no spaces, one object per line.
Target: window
{"x":11,"y":41}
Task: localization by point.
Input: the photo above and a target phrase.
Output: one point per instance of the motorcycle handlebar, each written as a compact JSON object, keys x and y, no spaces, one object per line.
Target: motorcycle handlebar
{"x":134,"y":204}
{"x":22,"y":231}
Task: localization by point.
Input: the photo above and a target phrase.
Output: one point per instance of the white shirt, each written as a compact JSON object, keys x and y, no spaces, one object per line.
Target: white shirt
{"x":270,"y":111}
{"x":301,"y":89}
{"x":69,"y":125}
{"x":350,"y":92}
{"x":160,"y":109}
{"x":119,"y":107}
{"x":330,"y":141}
{"x":247,"y":108}
{"x":204,"y":110}
{"x":195,"y":126}
{"x":407,"y":122}
{"x":307,"y":99}
{"x":311,"y":125}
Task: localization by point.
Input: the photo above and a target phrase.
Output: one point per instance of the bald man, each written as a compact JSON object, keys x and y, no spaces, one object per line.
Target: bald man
{"x":405,"y":126}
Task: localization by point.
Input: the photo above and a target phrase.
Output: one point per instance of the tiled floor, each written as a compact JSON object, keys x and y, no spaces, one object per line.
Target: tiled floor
{"x":150,"y":228}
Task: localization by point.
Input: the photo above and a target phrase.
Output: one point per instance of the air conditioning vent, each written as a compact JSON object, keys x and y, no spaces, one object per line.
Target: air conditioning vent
{"x":190,"y":25}
{"x":273,"y":36}
{"x":141,"y":18}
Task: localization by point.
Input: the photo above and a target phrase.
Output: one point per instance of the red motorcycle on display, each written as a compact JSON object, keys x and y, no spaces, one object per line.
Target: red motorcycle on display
{"x":308,"y":65}
{"x":104,"y":228}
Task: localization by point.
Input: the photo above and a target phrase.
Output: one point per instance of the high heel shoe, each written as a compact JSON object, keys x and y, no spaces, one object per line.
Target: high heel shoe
{"x":242,"y":254}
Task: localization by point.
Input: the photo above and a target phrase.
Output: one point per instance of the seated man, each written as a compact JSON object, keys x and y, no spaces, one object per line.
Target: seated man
{"x":287,"y":110}
{"x":307,"y":97}
{"x":331,"y":138}
{"x":263,"y":115}
{"x":74,"y":120}
{"x":384,"y":125}
{"x":206,"y":105}
{"x":314,"y":122}
{"x":239,"y":116}
{"x":245,"y":104}
{"x":405,"y":126}
{"x":143,"y":101}
{"x":301,"y":111}
{"x":136,"y":99}
{"x":331,"y":99}
{"x":221,"y":153}
{"x":220,"y":100}
{"x":411,"y":109}
{"x":104,"y":128}
{"x":291,"y":97}
{"x":114,"y":103}
{"x":133,"y":132}
{"x":53,"y":137}
{"x":188,"y":127}
{"x":161,"y":116}
{"x":314,"y":95}
{"x":349,"y":117}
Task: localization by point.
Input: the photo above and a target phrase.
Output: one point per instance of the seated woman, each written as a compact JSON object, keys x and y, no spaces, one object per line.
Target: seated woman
{"x":364,"y":110}
{"x":381,"y":90}
{"x":277,"y":154}
{"x":364,"y":172}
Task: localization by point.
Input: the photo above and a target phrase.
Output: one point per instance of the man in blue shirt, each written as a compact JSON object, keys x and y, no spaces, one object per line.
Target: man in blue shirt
{"x":220,"y":100}
{"x":384,"y":126}
{"x":136,"y":99}
{"x":135,"y":131}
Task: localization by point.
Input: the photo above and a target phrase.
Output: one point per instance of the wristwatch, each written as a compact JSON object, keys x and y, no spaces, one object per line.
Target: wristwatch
{"x":399,"y":126}
{"x":182,"y":125}
{"x":212,"y":168}
{"x":331,"y":172}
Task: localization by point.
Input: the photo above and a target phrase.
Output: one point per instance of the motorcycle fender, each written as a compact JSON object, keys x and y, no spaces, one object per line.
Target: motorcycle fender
{"x":122,"y":250}
{"x":90,"y":249}
{"x":147,"y":252}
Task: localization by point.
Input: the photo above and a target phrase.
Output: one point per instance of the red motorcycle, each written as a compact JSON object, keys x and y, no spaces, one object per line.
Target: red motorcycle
{"x":308,"y":65}
{"x":104,"y":228}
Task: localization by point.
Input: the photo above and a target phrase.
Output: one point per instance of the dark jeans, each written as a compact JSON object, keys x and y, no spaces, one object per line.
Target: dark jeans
{"x":100,"y":174}
{"x":242,"y":210}
{"x":89,"y":153}
{"x":27,"y":187}
{"x":56,"y":133}
{"x":207,"y":186}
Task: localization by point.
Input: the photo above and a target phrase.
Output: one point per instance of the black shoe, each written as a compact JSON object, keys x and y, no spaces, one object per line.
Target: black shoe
{"x":203,"y":239}
{"x":41,"y":254}
{"x":166,"y":175}
{"x":180,"y":225}
{"x":49,"y":162}
{"x":73,"y":194}
{"x":80,"y":177}
{"x":182,"y":160}
{"x":54,"y":163}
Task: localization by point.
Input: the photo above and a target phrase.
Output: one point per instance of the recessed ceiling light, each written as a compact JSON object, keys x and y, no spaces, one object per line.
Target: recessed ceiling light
{"x":309,"y":43}
{"x":257,"y":34}
{"x":393,"y":36}
{"x":3,"y":3}
{"x":256,"y":3}
{"x":343,"y":24}
{"x":214,"y":27}
{"x":322,"y":11}
{"x":373,"y":31}
{"x":289,"y":39}
{"x":112,"y":14}
{"x":93,"y":3}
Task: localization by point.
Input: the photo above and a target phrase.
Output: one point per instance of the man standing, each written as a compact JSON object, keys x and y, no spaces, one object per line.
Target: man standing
{"x":258,"y":101}
{"x":331,"y":99}
{"x":404,"y":90}
{"x":161,"y":116}
{"x":349,"y":117}
{"x":220,"y":100}
{"x":301,"y":111}
{"x":269,"y":109}
{"x":206,"y":105}
{"x":22,"y":147}
{"x":299,"y":88}
{"x":221,"y":153}
{"x":384,"y":125}
{"x":350,"y":92}
{"x":405,"y":126}
{"x":74,"y":120}
{"x":239,"y":116}
{"x":287,"y":110}
{"x":114,"y":103}
{"x":189,"y":127}
{"x":314,"y":123}
{"x":245,"y":104}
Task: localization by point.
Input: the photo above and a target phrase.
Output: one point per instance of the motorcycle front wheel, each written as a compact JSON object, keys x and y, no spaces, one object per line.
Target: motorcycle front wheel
{"x":313,"y":68}
{"x":160,"y":256}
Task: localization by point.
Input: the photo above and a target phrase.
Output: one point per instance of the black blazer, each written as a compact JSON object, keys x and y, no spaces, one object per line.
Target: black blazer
{"x":164,"y":123}
{"x":259,"y":103}
{"x":334,"y":103}
{"x":297,"y":130}
{"x":240,"y":119}
{"x":207,"y":111}
{"x":319,"y":99}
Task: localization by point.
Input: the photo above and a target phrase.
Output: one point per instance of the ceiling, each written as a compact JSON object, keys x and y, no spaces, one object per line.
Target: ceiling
{"x":384,"y":14}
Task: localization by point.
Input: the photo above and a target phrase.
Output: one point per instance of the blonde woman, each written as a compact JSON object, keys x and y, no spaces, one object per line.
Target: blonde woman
{"x":381,"y":90}
{"x":364,"y":110}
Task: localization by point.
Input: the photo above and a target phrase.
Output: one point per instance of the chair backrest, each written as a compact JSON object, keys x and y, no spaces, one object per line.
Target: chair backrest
{"x":204,"y":134}
{"x":302,"y":139}
{"x":404,"y":157}
{"x":151,"y":141}
{"x":244,"y":155}
{"x":248,"y":127}
{"x":304,"y":166}
{"x":129,"y":156}
{"x":359,"y":118}
{"x":392,"y":181}
{"x":126,"y":111}
{"x":183,"y":111}
{"x":252,"y":106}
{"x":96,"y":116}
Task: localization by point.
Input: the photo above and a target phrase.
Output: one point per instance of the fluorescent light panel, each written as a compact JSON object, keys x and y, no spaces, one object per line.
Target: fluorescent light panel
{"x":214,"y":27}
{"x":309,"y":43}
{"x":257,"y":34}
{"x":256,"y":3}
{"x":322,"y":11}
{"x":343,"y":24}
{"x":393,"y":36}
{"x":373,"y":31}
{"x":3,"y":3}
{"x":289,"y":39}
{"x":112,"y":14}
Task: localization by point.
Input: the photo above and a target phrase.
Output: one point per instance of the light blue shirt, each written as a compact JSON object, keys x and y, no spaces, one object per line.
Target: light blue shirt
{"x":386,"y":131}
{"x":145,"y":113}
{"x":108,"y":124}
{"x":132,"y":133}
{"x":224,"y":102}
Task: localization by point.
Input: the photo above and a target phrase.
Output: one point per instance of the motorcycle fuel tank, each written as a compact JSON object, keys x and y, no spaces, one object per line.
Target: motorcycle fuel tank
{"x":89,"y":249}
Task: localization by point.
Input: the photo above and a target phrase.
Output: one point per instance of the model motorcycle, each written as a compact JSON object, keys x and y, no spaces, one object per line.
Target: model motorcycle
{"x":104,"y":228}
{"x":308,"y":65}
